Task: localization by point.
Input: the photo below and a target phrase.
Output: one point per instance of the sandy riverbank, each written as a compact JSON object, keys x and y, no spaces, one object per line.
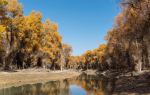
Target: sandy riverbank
{"x":32,"y":76}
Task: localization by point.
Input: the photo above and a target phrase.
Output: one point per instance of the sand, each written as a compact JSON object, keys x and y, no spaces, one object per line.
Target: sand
{"x":32,"y":76}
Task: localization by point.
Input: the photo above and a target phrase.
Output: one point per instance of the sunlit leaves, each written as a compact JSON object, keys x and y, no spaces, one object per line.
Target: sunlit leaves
{"x":91,"y":59}
{"x":28,"y":35}
{"x":2,"y":28}
{"x":14,"y":8}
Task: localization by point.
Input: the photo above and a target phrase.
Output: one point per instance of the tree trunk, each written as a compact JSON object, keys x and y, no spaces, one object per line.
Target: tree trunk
{"x":138,"y":58}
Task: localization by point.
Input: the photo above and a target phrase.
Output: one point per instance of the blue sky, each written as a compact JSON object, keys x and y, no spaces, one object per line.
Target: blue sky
{"x":82,"y":23}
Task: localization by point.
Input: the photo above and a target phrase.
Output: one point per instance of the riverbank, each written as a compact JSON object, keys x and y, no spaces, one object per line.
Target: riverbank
{"x":139,"y":84}
{"x":32,"y":76}
{"x":124,"y":84}
{"x":129,"y":83}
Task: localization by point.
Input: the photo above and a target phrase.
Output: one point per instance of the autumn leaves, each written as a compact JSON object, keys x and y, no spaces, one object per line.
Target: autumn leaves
{"x":28,"y":37}
{"x":127,"y":46}
{"x":26,"y":41}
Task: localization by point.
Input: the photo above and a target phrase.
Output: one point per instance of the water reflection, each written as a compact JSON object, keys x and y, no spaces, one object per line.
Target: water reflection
{"x":77,"y":90}
{"x":82,"y":85}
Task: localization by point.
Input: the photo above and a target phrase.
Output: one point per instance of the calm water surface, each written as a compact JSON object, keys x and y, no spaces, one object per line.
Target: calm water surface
{"x":82,"y":85}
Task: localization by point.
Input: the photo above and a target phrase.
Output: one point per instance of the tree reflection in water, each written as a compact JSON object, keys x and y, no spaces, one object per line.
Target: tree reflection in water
{"x":92,"y":85}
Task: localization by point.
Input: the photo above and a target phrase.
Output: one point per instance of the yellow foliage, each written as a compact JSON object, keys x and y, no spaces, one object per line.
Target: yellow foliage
{"x":14,"y":7}
{"x":2,"y":28}
{"x":3,"y":2}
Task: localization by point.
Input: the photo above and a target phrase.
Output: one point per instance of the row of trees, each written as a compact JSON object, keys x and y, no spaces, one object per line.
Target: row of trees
{"x":128,"y":42}
{"x":91,"y":59}
{"x":26,"y":41}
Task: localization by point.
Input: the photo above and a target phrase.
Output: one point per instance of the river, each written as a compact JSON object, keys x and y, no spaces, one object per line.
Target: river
{"x":81,"y":85}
